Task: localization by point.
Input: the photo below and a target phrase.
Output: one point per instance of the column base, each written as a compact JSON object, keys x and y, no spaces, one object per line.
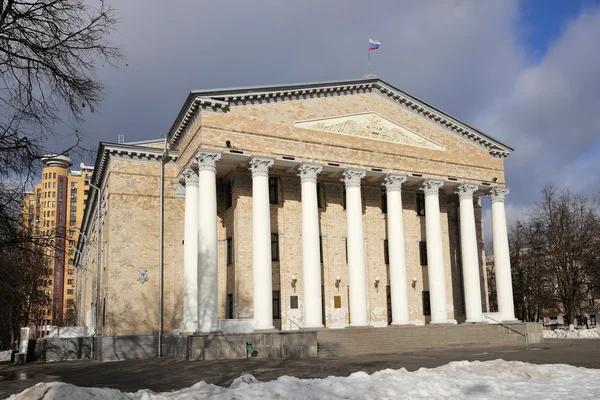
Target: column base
{"x":402,"y":323}
{"x":446,"y":322}
{"x":266,"y":330}
{"x":319,"y":326}
{"x":380,"y":324}
{"x":359,"y":325}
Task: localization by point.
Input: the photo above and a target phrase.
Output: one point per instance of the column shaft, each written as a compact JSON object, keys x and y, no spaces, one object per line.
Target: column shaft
{"x":208,"y":278}
{"x":190,"y":253}
{"x":397,"y":249}
{"x":261,"y":243}
{"x":470,"y":254}
{"x":435,"y":253}
{"x":501,"y":255}
{"x":356,"y":249}
{"x":311,"y":263}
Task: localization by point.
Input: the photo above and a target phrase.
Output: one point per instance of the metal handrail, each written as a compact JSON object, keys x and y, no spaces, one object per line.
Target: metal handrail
{"x":294,"y":322}
{"x":507,"y":327}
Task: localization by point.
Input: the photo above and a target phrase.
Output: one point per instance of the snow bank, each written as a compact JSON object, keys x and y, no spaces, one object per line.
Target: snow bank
{"x":462,"y":379}
{"x":574,"y":334}
{"x":5,"y":355}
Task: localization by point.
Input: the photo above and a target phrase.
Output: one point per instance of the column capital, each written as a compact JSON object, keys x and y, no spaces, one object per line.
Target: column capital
{"x":393,"y":182}
{"x":259,"y":166}
{"x":207,"y":160}
{"x":498,"y":194}
{"x":308,"y":172}
{"x":466,"y":190}
{"x":352,"y":177}
{"x":190,"y":177}
{"x":431,"y":187}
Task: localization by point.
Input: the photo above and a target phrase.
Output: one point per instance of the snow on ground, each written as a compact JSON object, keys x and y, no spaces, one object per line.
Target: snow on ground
{"x":574,"y":334}
{"x":5,"y":355}
{"x":496,"y":379}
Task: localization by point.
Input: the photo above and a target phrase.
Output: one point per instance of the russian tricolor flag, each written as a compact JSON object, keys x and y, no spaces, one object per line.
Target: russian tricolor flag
{"x":374,"y":44}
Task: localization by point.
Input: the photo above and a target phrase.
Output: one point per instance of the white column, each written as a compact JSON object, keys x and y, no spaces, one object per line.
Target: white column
{"x":311,"y":262}
{"x":356,"y":248}
{"x":190,"y":252}
{"x":469,"y":253}
{"x":208,"y":282}
{"x":435,"y":252}
{"x":261,"y":243}
{"x":501,"y":255}
{"x":396,"y":249}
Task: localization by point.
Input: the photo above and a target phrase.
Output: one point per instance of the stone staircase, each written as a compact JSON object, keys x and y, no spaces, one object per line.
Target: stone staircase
{"x":400,"y":339}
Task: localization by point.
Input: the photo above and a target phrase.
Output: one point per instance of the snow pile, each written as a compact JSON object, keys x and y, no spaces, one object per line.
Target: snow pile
{"x":458,"y":380}
{"x":574,"y":334}
{"x":5,"y":355}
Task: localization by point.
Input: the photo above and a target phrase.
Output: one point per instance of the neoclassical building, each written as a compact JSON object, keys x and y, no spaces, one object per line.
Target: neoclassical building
{"x":314,"y":205}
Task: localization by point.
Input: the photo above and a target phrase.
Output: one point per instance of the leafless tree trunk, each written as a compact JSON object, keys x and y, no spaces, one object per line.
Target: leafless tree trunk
{"x":49,"y":53}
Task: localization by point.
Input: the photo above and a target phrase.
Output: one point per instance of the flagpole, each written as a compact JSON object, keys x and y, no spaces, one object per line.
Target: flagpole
{"x":369,"y":51}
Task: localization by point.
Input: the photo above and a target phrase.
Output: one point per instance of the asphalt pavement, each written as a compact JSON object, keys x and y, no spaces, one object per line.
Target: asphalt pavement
{"x":166,"y":374}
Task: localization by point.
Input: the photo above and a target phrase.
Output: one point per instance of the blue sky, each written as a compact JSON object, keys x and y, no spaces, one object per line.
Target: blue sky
{"x":525,"y":72}
{"x":542,"y":21}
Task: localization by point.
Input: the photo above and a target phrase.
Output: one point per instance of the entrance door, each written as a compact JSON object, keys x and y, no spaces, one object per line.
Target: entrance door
{"x":388,"y":297}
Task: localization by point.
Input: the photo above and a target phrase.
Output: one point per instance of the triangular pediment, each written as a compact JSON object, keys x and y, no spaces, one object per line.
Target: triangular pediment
{"x":369,"y":125}
{"x":223,"y":100}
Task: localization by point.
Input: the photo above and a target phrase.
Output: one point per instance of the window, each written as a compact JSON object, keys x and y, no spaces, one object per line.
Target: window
{"x":53,"y":213}
{"x":273,"y":190}
{"x":321,"y":248}
{"x":426,"y":304}
{"x":70,"y":261}
{"x":274,"y":247}
{"x":53,"y":204}
{"x":384,"y":202}
{"x":420,"y":204}
{"x":229,"y":306}
{"x":71,"y":271}
{"x":71,"y":232}
{"x":226,"y":187}
{"x":54,"y":175}
{"x":319,"y":195}
{"x":73,"y":204}
{"x":70,"y":281}
{"x":49,"y":282}
{"x":386,"y":252}
{"x":276,"y":305}
{"x":423,"y":253}
{"x":71,"y":252}
{"x":53,"y":185}
{"x":294,"y":302}
{"x":69,"y":302}
{"x":71,"y":243}
{"x":73,"y":213}
{"x":346,"y":245}
{"x":229,"y":251}
{"x":337,"y":301}
{"x":344,"y":198}
{"x":73,"y":222}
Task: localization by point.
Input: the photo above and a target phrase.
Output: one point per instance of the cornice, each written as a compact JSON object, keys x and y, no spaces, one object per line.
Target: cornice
{"x":106,"y":151}
{"x":224,"y":99}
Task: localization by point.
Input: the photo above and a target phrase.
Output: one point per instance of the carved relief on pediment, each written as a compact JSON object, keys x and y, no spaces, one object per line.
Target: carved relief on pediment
{"x":369,"y":125}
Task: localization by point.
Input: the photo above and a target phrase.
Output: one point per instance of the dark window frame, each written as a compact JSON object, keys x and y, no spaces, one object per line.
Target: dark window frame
{"x":273,"y":190}
{"x":423,"y":253}
{"x":386,"y":252}
{"x":426,"y":303}
{"x":274,"y":247}
{"x":276,"y":304}
{"x":384,"y":202}
{"x":294,"y":302}
{"x":420,"y":200}
{"x":319,"y":194}
{"x":229,"y":251}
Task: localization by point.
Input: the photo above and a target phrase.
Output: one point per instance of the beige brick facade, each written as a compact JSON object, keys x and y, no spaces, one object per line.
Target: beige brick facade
{"x":131,"y":187}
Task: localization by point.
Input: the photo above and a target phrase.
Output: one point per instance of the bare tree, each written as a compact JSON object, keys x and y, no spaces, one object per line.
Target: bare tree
{"x":49,"y":53}
{"x":555,"y":254}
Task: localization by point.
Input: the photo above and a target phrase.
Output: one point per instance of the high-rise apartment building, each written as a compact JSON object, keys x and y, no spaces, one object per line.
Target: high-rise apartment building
{"x":53,"y":211}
